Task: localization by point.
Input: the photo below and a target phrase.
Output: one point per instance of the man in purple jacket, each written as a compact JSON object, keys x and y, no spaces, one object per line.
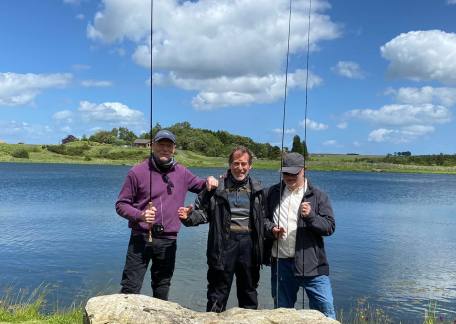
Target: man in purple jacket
{"x":169,"y":183}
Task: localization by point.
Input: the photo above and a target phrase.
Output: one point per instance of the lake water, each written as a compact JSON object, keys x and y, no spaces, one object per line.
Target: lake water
{"x":394,"y":245}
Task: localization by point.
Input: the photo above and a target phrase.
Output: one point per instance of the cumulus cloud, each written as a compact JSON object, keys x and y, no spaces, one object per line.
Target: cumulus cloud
{"x":451,"y":2}
{"x":20,"y":89}
{"x":401,"y":115}
{"x":402,"y":123}
{"x":313,"y":125}
{"x":416,"y":96}
{"x":110,"y":112}
{"x":422,"y":55}
{"x":288,"y":131}
{"x":330,"y":143}
{"x":95,"y":116}
{"x":23,"y":130}
{"x":403,"y":135}
{"x":64,"y":115}
{"x":96,"y":83}
{"x":342,"y":125}
{"x":242,"y":90}
{"x":208,"y":41}
{"x":349,"y":70}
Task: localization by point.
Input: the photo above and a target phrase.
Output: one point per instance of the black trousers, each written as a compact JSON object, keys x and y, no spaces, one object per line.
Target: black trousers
{"x":162,"y":253}
{"x":238,"y":260}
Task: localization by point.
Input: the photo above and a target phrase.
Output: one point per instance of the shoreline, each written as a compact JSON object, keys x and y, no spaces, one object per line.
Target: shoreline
{"x":107,"y":154}
{"x":267,"y":165}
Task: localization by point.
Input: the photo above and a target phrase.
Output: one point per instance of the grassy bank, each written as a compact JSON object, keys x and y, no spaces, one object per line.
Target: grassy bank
{"x":94,"y":153}
{"x":30,"y":312}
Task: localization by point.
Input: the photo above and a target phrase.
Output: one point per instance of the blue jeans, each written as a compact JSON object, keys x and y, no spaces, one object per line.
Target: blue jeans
{"x":318,"y":288}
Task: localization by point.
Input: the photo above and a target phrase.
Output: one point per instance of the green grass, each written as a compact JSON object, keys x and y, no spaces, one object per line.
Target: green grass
{"x":95,"y":153}
{"x":28,"y":308}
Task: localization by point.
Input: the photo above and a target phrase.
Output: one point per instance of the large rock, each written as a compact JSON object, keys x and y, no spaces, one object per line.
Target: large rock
{"x":137,"y":309}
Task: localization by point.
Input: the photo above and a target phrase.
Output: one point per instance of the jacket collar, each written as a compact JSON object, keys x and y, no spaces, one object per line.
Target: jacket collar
{"x":254,"y":185}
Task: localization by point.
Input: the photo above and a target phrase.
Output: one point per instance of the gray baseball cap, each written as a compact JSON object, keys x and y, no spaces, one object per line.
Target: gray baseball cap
{"x":292,"y":163}
{"x":165,"y":134}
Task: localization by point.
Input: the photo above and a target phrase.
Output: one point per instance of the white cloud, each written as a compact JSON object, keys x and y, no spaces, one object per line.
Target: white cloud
{"x":403,"y":115}
{"x":422,"y":55}
{"x":64,"y":116}
{"x":349,"y":69}
{"x":121,"y":20}
{"x":342,"y":125}
{"x":451,"y":2}
{"x":330,"y":143}
{"x":90,"y":117}
{"x":23,"y":130}
{"x":96,"y":83}
{"x":66,"y":129}
{"x":20,"y":89}
{"x":416,"y":96}
{"x":198,"y":43}
{"x":313,"y":125}
{"x":288,"y":131}
{"x":110,"y":112}
{"x":242,"y":90}
{"x":402,"y":135}
{"x":380,"y":135}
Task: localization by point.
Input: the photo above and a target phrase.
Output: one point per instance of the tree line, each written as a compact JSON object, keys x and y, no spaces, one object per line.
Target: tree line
{"x":204,"y":141}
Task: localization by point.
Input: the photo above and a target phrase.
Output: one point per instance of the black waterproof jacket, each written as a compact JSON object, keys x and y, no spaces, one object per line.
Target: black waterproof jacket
{"x":310,"y":256}
{"x":213,"y":207}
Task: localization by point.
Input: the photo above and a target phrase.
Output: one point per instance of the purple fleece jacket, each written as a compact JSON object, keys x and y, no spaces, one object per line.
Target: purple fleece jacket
{"x":134,"y":196}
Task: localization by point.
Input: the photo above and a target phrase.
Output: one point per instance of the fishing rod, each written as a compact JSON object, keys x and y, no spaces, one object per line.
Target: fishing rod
{"x":283,"y":132}
{"x":281,"y":157}
{"x":150,"y":205}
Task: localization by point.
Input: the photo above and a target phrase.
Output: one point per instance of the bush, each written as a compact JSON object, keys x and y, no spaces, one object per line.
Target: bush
{"x":21,"y":154}
{"x":59,"y":149}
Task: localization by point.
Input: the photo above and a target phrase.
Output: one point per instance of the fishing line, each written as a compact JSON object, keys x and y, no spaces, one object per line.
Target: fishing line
{"x":281,"y":158}
{"x":151,"y":109}
{"x":304,"y":147}
{"x":283,"y":132}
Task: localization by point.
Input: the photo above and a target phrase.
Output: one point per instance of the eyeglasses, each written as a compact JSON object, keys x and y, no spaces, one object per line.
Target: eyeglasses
{"x":169,"y":184}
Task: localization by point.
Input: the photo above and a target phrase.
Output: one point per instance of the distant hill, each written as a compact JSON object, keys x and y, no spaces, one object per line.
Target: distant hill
{"x":215,"y":143}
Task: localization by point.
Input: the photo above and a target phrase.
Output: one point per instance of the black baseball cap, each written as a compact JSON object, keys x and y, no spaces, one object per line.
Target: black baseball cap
{"x":292,"y":163}
{"x":164,"y":134}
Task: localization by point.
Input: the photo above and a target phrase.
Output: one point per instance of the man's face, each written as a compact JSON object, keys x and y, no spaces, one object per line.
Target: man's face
{"x":240,"y":166}
{"x":294,"y":181}
{"x":164,"y":149}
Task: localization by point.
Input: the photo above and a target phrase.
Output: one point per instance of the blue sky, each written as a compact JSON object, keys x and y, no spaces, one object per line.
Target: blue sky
{"x":382,"y":73}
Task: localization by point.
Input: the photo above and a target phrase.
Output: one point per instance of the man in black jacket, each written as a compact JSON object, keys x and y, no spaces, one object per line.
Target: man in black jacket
{"x":298,"y":216}
{"x":235,"y":214}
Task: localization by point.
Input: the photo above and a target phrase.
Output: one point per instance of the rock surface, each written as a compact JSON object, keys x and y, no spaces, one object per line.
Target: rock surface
{"x":138,"y":309}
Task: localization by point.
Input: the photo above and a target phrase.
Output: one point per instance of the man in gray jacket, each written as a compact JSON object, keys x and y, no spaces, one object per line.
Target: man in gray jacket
{"x":298,"y":216}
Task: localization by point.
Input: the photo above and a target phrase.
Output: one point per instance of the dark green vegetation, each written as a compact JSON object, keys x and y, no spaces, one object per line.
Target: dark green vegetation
{"x":206,"y":148}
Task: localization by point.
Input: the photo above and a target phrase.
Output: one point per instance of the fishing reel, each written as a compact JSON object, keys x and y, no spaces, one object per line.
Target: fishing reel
{"x":158,"y":229}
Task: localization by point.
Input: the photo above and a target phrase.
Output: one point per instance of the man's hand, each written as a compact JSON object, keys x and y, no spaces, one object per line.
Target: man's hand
{"x":305,"y":209}
{"x":148,"y":215}
{"x":279,"y":232}
{"x":211,"y":183}
{"x":183,"y":212}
